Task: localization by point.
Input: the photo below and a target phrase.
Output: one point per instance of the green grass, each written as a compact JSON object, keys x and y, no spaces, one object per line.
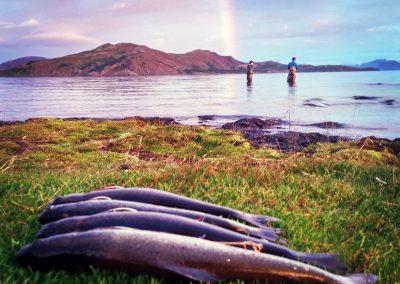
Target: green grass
{"x":327,"y":196}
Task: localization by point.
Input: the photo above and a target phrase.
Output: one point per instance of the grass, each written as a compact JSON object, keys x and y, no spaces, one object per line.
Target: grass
{"x":328,"y":196}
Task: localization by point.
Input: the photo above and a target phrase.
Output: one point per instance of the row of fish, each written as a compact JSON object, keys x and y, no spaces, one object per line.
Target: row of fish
{"x":148,"y":231}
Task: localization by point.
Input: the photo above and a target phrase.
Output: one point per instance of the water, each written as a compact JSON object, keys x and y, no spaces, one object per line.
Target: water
{"x":317,"y":97}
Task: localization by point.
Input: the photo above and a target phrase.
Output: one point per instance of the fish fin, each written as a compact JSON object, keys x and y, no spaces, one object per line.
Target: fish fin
{"x":261,"y":233}
{"x":264,"y":219}
{"x":281,"y":241}
{"x":258,"y":220}
{"x":271,"y":219}
{"x":363,"y":278}
{"x":328,"y":261}
{"x":196,"y":274}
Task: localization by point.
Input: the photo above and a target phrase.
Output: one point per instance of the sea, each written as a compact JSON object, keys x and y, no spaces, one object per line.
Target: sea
{"x":365,"y":103}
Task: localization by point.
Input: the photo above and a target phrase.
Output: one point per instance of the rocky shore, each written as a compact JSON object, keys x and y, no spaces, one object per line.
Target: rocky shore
{"x":259,"y":133}
{"x":265,"y":132}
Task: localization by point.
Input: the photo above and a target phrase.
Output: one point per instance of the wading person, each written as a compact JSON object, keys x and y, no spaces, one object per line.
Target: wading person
{"x":292,"y":67}
{"x":250,"y":72}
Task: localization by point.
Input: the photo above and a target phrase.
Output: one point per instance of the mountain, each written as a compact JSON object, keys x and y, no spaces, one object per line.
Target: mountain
{"x":19,"y":61}
{"x":274,"y":67}
{"x":333,"y":68}
{"x":382,"y":64}
{"x":126,"y":59}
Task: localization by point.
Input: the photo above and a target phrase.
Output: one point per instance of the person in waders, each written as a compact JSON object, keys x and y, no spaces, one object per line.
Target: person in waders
{"x":292,"y":67}
{"x":250,"y":72}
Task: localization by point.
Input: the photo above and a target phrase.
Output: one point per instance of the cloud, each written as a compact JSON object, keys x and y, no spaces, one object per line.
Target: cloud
{"x":384,"y":28}
{"x":58,"y":38}
{"x":146,"y":7}
{"x":32,"y":22}
{"x":120,"y":5}
{"x":318,"y":40}
{"x":306,"y":29}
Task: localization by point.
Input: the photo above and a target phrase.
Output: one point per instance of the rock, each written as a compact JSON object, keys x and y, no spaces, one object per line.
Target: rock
{"x":293,"y":141}
{"x":162,"y":120}
{"x":37,"y":119}
{"x":8,"y":123}
{"x":328,"y":125}
{"x":374,"y":143}
{"x":365,"y":98}
{"x":257,"y":131}
{"x":389,"y":102}
{"x":206,"y":117}
{"x":245,"y":124}
{"x":314,"y":102}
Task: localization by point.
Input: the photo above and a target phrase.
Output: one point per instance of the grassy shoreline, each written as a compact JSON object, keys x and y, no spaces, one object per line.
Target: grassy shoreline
{"x":339,"y":198}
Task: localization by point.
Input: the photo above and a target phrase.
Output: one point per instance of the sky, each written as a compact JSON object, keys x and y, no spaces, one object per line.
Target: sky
{"x":315,"y":31}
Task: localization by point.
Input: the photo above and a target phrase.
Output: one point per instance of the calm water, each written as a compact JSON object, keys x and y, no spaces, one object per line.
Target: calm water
{"x":317,"y":97}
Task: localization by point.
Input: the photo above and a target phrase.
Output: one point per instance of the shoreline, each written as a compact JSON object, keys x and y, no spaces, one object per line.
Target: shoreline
{"x":2,"y":75}
{"x":259,"y":132}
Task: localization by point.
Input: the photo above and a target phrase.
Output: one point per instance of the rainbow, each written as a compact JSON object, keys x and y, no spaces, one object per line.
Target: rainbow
{"x":228,"y":27}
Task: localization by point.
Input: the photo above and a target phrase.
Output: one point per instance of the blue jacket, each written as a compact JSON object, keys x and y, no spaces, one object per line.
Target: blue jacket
{"x":294,"y":64}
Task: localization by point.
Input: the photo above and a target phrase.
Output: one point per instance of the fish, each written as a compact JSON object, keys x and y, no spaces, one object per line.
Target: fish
{"x":90,"y":207}
{"x":169,"y":255}
{"x":160,"y":222}
{"x":159,"y":197}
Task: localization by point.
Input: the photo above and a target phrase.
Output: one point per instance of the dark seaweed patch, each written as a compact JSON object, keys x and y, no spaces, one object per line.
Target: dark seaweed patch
{"x":360,"y":98}
{"x":389,"y":102}
{"x":328,"y":124}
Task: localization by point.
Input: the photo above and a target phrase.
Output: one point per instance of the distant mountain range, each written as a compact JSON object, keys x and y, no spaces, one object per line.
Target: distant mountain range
{"x":126,"y":59}
{"x":19,"y":61}
{"x":381,"y":64}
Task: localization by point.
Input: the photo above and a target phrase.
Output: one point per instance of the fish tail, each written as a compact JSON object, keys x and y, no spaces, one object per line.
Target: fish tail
{"x":56,"y":201}
{"x":42,"y":233}
{"x":44,"y":216}
{"x":265,"y":219}
{"x":23,"y":254}
{"x":331,"y":262}
{"x":362,"y":278}
{"x":261,"y":234}
{"x":256,"y":220}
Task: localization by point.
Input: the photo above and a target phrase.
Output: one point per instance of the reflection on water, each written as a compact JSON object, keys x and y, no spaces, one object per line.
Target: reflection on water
{"x":291,"y":102}
{"x":249,"y":89}
{"x":317,"y":97}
